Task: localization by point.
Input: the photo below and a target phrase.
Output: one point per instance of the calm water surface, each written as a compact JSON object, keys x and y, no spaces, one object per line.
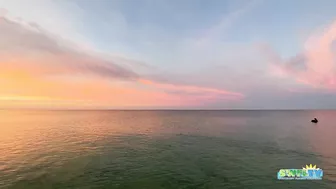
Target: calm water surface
{"x":164,"y":149}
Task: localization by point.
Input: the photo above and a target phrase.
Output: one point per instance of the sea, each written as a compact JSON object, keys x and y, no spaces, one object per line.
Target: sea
{"x":164,"y":149}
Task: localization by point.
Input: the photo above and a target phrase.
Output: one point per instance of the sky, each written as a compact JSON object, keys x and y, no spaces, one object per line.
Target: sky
{"x":157,"y":54}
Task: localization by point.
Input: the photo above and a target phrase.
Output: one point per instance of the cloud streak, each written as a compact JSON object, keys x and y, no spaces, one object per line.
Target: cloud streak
{"x":225,"y":23}
{"x":44,"y":55}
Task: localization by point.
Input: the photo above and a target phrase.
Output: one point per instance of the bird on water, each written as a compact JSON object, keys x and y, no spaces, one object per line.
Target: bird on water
{"x":314,"y":120}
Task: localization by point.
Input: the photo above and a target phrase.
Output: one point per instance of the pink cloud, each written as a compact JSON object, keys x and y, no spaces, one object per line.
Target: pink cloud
{"x":316,"y":65}
{"x":191,"y":89}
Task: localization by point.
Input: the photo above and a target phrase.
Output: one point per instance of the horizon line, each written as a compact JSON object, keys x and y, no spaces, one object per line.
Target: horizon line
{"x":169,"y":109}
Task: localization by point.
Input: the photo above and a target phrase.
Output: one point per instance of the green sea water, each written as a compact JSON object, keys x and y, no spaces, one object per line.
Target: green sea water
{"x":164,"y":149}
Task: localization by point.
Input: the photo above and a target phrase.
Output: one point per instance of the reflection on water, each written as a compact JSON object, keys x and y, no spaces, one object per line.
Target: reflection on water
{"x":163,"y":149}
{"x":322,"y":141}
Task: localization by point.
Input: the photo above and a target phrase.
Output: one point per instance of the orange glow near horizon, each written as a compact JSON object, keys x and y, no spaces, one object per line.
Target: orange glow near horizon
{"x":21,"y":88}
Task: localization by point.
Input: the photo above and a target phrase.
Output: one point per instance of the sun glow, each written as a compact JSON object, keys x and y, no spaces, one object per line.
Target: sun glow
{"x":23,"y":98}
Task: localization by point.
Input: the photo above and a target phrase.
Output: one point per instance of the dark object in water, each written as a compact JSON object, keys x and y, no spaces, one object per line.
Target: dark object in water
{"x":314,"y":120}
